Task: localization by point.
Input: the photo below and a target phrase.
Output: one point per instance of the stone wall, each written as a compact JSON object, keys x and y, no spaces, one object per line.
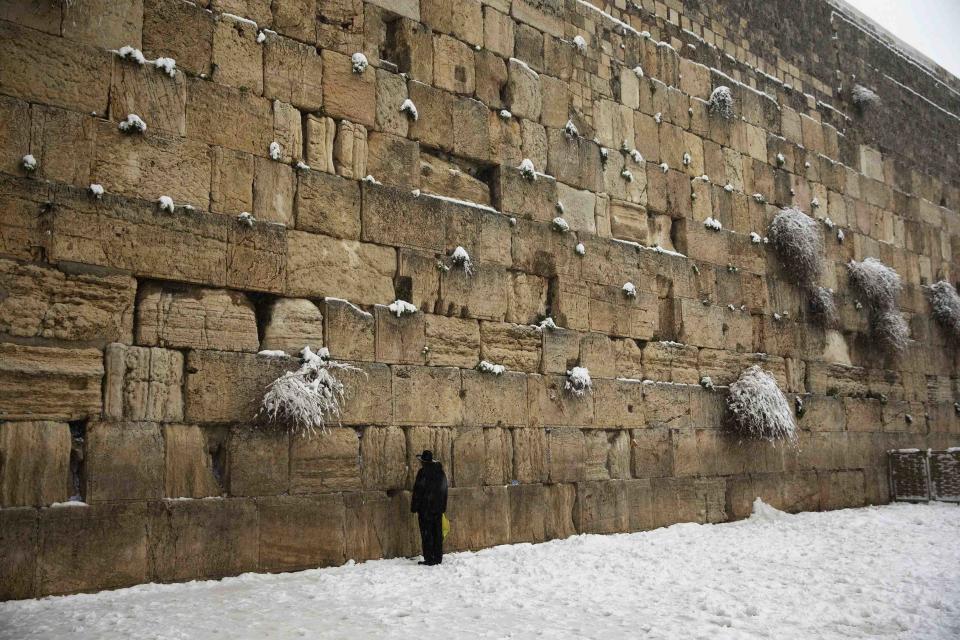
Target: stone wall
{"x":129,"y":334}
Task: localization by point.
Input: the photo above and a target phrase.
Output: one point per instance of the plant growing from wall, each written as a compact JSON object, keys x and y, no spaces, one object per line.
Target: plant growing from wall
{"x":946,"y":307}
{"x":878,"y":286}
{"x":758,"y":409}
{"x":306,"y":400}
{"x":721,"y":102}
{"x":578,"y":382}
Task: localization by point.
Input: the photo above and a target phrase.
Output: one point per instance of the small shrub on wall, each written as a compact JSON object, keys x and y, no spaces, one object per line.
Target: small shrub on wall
{"x":879,"y":285}
{"x":758,"y":409}
{"x":946,"y":307}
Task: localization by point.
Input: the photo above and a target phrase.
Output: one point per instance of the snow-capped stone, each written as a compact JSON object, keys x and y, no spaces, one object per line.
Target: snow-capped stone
{"x":580,"y":43}
{"x":167,"y":65}
{"x":410,"y":109}
{"x":360,"y":62}
{"x":246,"y":218}
{"x":133,"y":54}
{"x":29,"y":163}
{"x":401,"y":307}
{"x":133,"y":124}
{"x":712,"y":224}
{"x":276,"y":151}
{"x":96,"y":190}
{"x":165,"y":203}
{"x":559,"y":224}
{"x":580,"y":249}
{"x":630,"y":290}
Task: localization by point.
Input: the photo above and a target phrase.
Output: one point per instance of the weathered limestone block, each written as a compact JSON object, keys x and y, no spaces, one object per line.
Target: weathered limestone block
{"x":614,"y":313}
{"x":841,"y":489}
{"x":151,"y":94}
{"x":149,"y":165}
{"x":469,"y":453}
{"x":628,"y":222}
{"x":399,"y":340}
{"x":671,"y":362}
{"x":491,"y":78}
{"x":530,"y":461}
{"x":319,"y":134}
{"x":601,"y":507}
{"x":19,"y":531}
{"x":92,"y":548}
{"x":452,"y":342}
{"x":350,"y":150}
{"x":49,"y":383}
{"x":497,"y":31}
{"x":427,"y":395}
{"x":191,"y":317}
{"x":394,"y":216}
{"x":237,"y":56}
{"x":483,"y":517}
{"x":712,"y":326}
{"x":258,"y":461}
{"x":325,"y":462}
{"x":461,"y":18}
{"x":574,"y":161}
{"x":274,"y":186}
{"x":201,"y":539}
{"x":231,"y":187}
{"x":346,"y":94}
{"x":596,"y":354}
{"x":549,"y":404}
{"x":379,"y":525}
{"x":123,"y":461}
{"x":628,"y":358}
{"x":383,"y":458}
{"x":453,"y":65}
{"x":46,"y":303}
{"x":46,"y":17}
{"x":434,"y":127}
{"x":350,"y":330}
{"x":62,"y":73}
{"x":36,"y":467}
{"x":518,"y":195}
{"x":391,"y":94}
{"x":14,"y":134}
{"x":541,"y":512}
{"x":561,"y":350}
{"x":836,"y":379}
{"x":294,"y":323}
{"x":393,"y":160}
{"x":494,"y":400}
{"x":527,"y":298}
{"x":480,"y":294}
{"x":292,"y":73}
{"x":189,"y":471}
{"x":523,"y":91}
{"x":62,"y":142}
{"x":565,"y":455}
{"x":295,"y":19}
{"x":498,"y":459}
{"x":223,"y":387}
{"x":322,"y":266}
{"x":369,"y":394}
{"x":607,"y":455}
{"x":515,"y":346}
{"x":618,"y":403}
{"x":104,"y":24}
{"x":256,"y":257}
{"x":248,"y":126}
{"x":667,"y":405}
{"x":436,"y":439}
{"x":300,"y":532}
{"x":182,"y":31}
{"x":143,"y":384}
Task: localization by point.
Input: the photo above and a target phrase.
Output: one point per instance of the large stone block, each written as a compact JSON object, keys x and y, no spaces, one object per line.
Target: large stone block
{"x":325,"y":462}
{"x":201,"y":539}
{"x":319,"y":134}
{"x":452,"y":342}
{"x":523,"y":91}
{"x":349,"y":330}
{"x":369,"y":394}
{"x":258,"y":461}
{"x":256,"y":257}
{"x":399,"y":340}
{"x":231,"y":186}
{"x":296,"y":18}
{"x":189,"y":463}
{"x":46,"y":303}
{"x":292,"y":73}
{"x":541,"y":512}
{"x":713,"y":326}
{"x":322,"y":266}
{"x":294,"y":323}
{"x":92,"y":548}
{"x":328,"y":204}
{"x":480,"y":294}
{"x":379,"y":525}
{"x":566,"y":455}
{"x":123,"y":461}
{"x":62,"y":144}
{"x":614,"y":313}
{"x":619,"y":403}
{"x":191,"y":317}
{"x":274,"y":187}
{"x":301,"y":532}
{"x":14,"y":134}
{"x":347,"y":94}
{"x":153,"y":95}
{"x":394,"y":216}
{"x":104,"y":24}
{"x":223,"y":387}
{"x":479,"y":518}
{"x":19,"y":532}
{"x":350,"y":150}
{"x":601,"y":507}
{"x":36,"y":469}
{"x":515,"y":346}
{"x":148,"y":166}
{"x":49,"y":383}
{"x":247,"y":126}
{"x":841,"y":489}
{"x":143,"y":384}
{"x":237,"y":56}
{"x":393,"y":160}
{"x":550,"y":404}
{"x":51,"y":70}
{"x":651,"y":453}
{"x":427,"y":395}
{"x":383,"y":458}
{"x":494,"y":400}
{"x":181,"y":30}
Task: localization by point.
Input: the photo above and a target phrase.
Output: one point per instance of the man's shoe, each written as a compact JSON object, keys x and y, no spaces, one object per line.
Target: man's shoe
{"x":423,"y":562}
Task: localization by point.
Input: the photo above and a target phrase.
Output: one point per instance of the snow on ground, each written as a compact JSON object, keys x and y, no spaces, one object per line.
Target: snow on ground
{"x":879,"y":572}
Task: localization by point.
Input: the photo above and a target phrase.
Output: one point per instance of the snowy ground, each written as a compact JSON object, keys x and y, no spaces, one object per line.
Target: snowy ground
{"x":887,"y":572}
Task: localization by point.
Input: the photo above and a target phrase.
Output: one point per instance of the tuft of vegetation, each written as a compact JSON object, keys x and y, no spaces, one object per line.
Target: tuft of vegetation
{"x":823,"y":308}
{"x":864,"y":97}
{"x":721,"y":102}
{"x":758,"y":409}
{"x":879,"y":286}
{"x":797,"y":240}
{"x":946,"y":307}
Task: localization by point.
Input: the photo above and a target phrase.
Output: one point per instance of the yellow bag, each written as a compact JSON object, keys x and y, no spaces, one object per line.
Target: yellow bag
{"x":444,"y":525}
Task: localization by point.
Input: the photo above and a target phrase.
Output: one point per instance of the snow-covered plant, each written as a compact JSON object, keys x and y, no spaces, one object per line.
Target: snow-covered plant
{"x":636,"y":156}
{"x":658,"y":117}
{"x":505,"y":115}
{"x":758,"y":408}
{"x":527,"y":169}
{"x":889,"y":329}
{"x":133,"y":54}
{"x":167,"y":65}
{"x":301,"y":166}
{"x":580,"y":249}
{"x":840,"y":236}
{"x":276,"y":151}
{"x":629,"y":290}
{"x":946,"y":307}
{"x":815,"y":203}
{"x":410,"y":109}
{"x":627,"y":175}
{"x":580,"y":43}
{"x":755,"y":237}
{"x":548,"y":324}
{"x":165,"y":203}
{"x":721,"y":102}
{"x":638,"y":71}
{"x":570,"y":129}
{"x":799,"y":245}
{"x":560,"y":225}
{"x":687,"y":159}
{"x":461,"y":258}
{"x":877,"y":283}
{"x":713,"y":224}
{"x":306,"y":400}
{"x":664,"y":167}
{"x":827,"y":222}
{"x":96,"y":190}
{"x":489,"y":367}
{"x":401,"y":308}
{"x":707,"y":383}
{"x":29,"y":163}
{"x":604,"y":156}
{"x":728,"y":188}
{"x":246,"y":218}
{"x":864,"y":97}
{"x":369,"y":179}
{"x":359,"y":62}
{"x":578,"y":382}
{"x":822,"y":306}
{"x":133,"y":124}
{"x":781,"y":159}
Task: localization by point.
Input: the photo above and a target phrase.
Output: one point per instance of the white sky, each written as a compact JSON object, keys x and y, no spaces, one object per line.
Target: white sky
{"x":930,"y":26}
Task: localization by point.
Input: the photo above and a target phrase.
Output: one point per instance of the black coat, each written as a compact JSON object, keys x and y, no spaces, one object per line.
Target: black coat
{"x":430,"y":490}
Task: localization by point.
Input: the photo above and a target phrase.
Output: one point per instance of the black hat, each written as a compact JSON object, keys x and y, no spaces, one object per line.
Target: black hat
{"x":426,"y":456}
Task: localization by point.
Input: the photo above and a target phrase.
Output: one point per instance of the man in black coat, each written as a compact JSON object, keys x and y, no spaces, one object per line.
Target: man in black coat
{"x":429,"y":502}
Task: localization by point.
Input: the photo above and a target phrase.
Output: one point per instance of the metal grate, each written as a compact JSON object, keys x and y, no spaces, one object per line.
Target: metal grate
{"x":945,"y":475}
{"x":909,"y":475}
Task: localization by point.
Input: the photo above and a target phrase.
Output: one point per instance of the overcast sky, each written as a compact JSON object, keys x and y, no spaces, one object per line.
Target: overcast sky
{"x":930,"y":26}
